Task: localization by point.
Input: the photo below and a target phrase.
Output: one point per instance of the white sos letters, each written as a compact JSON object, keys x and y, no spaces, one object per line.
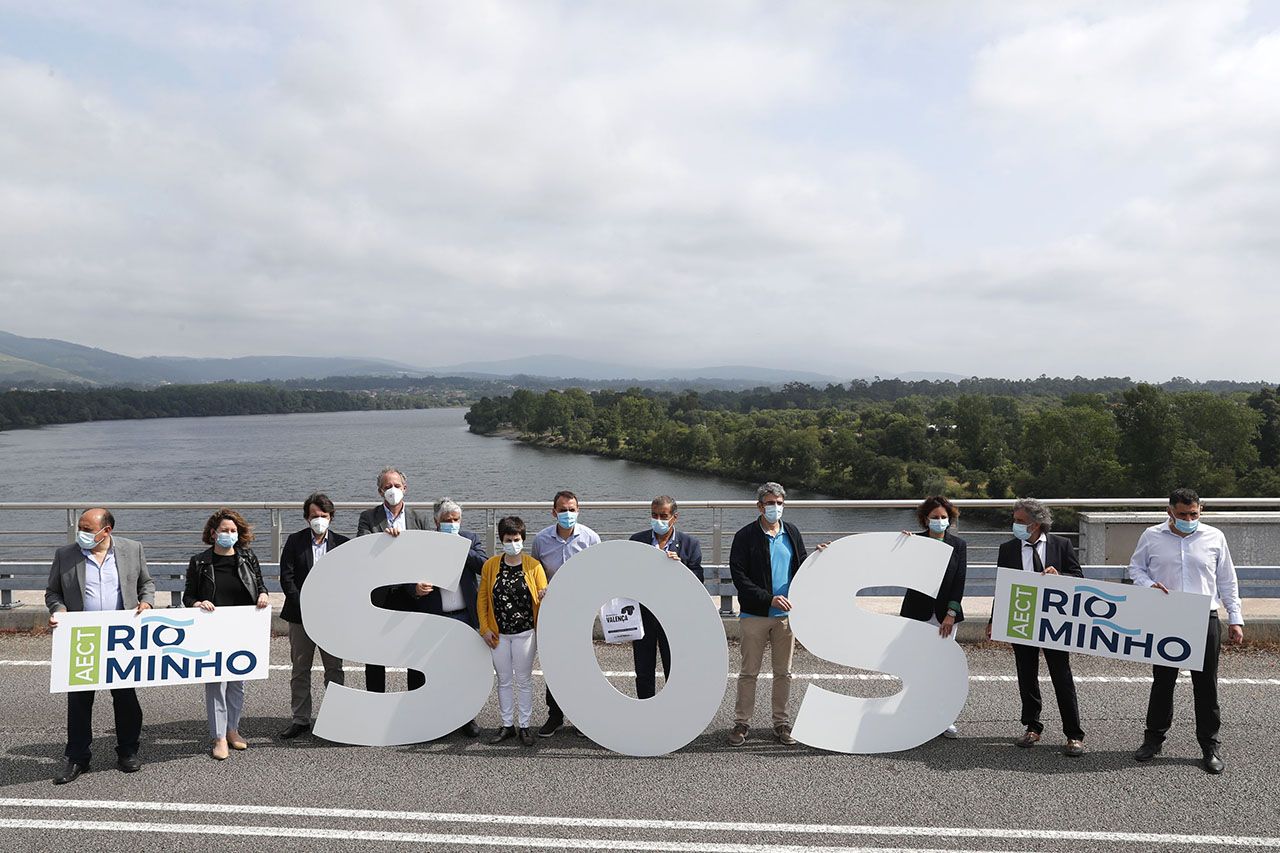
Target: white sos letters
{"x":339,"y":616}
{"x":825,"y":617}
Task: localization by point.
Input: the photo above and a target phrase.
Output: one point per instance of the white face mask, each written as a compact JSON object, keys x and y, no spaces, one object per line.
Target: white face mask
{"x":393,"y":496}
{"x":319,"y":525}
{"x":511,"y":549}
{"x":772,"y":512}
{"x":86,"y":540}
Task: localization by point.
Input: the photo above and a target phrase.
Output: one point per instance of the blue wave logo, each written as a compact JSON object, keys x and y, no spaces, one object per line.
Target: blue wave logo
{"x":174,"y":650}
{"x":1093,"y":590}
{"x":1128,"y":632}
{"x":172,"y":623}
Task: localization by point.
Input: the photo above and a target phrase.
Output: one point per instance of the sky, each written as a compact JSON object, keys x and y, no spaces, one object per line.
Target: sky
{"x":854,"y":188}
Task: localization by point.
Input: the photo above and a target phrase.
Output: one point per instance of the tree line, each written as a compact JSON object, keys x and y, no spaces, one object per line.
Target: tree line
{"x":20,"y":409}
{"x":1047,"y":439}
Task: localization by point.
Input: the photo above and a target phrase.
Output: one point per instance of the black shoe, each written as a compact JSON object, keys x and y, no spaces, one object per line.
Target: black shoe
{"x":1147,"y":751}
{"x":526,"y":737}
{"x":129,"y":763}
{"x":1212,"y":763}
{"x":550,"y":726}
{"x":70,"y":773}
{"x":294,"y":730}
{"x":504,"y":733}
{"x":469,"y":728}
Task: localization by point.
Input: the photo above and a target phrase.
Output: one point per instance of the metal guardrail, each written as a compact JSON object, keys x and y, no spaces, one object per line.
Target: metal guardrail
{"x":1256,"y":581}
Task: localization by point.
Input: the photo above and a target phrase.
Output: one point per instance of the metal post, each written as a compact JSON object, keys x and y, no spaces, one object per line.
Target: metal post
{"x":276,"y":543}
{"x":491,"y":525}
{"x":73,"y":521}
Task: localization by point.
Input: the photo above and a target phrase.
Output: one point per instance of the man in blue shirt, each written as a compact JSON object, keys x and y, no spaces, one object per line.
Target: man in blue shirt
{"x":553,"y":546}
{"x":765,"y":556}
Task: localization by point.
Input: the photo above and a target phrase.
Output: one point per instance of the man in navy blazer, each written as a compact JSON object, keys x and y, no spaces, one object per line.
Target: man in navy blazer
{"x":1034,"y":549}
{"x":99,"y":571}
{"x":297,"y":558}
{"x":678,"y":545}
{"x":459,"y":604}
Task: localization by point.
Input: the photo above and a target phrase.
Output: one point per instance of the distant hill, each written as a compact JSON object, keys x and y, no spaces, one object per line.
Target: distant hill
{"x":55,"y":361}
{"x":561,"y":366}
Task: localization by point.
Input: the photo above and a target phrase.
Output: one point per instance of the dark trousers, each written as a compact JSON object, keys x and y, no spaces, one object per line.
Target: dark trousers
{"x":80,"y":723}
{"x":1204,"y":687}
{"x":645,"y":653}
{"x":375,"y":678}
{"x":1028,"y":663}
{"x":553,"y":708}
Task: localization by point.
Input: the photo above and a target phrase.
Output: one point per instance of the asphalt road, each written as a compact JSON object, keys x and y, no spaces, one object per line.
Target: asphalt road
{"x":974,"y":793}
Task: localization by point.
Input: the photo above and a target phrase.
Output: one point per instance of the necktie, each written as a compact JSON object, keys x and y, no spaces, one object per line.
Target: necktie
{"x":1036,"y":563}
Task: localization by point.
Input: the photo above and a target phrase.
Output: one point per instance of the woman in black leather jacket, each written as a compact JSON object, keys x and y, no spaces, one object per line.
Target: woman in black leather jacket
{"x":226,"y":574}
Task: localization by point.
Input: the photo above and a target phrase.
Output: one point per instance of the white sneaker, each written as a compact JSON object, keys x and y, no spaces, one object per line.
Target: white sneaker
{"x":951,"y":733}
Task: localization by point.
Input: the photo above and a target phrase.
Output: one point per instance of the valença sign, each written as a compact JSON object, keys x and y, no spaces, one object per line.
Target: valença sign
{"x":339,"y":616}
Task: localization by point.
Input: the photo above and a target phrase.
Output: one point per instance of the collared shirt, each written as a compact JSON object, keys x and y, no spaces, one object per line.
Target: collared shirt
{"x":397,"y":520}
{"x":102,"y":582}
{"x":318,"y":550}
{"x":552,"y":551}
{"x":1028,"y":562}
{"x":656,"y":541}
{"x":1200,"y":562}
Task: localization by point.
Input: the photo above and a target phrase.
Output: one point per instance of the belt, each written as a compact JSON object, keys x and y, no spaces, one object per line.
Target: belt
{"x":1213,"y":614}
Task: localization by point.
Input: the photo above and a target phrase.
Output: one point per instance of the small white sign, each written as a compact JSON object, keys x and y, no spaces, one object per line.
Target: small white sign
{"x":107,"y":649}
{"x":1111,"y":620}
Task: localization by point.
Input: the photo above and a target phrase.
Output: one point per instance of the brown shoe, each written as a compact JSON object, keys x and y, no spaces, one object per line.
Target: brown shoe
{"x":783,"y":733}
{"x":1029,"y":739}
{"x":1074,"y":748}
{"x":738,"y":736}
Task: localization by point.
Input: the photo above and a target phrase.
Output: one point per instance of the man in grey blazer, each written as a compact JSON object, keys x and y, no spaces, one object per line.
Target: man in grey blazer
{"x":391,"y":517}
{"x":99,"y":571}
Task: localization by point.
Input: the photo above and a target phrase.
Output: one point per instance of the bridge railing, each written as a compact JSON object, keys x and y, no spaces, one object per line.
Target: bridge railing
{"x":19,"y":571}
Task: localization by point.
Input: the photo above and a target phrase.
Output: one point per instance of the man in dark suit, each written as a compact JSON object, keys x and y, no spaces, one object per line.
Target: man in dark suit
{"x":301,"y":551}
{"x":679,"y":546}
{"x":459,"y":604}
{"x":99,"y":571}
{"x":390,"y":517}
{"x":1034,"y":549}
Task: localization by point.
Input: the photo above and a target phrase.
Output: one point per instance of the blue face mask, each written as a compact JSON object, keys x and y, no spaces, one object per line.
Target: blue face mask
{"x":1021,"y":531}
{"x":660,"y":526}
{"x":450,"y":526}
{"x":566,"y":519}
{"x":772,"y":512}
{"x":227,"y":540}
{"x":1186,"y":526}
{"x":938,"y":525}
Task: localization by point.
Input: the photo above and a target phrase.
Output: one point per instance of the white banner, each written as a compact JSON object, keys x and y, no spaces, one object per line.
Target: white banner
{"x":102,"y":650}
{"x":1110,"y":620}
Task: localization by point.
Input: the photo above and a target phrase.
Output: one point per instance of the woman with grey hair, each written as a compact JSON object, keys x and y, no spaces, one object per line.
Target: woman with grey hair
{"x":1034,"y":549}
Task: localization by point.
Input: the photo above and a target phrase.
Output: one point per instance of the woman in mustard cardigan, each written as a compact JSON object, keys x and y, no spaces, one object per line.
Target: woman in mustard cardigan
{"x":511,"y":588}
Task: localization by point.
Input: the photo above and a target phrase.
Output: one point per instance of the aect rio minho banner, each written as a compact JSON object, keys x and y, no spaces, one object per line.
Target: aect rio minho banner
{"x":107,"y":649}
{"x":1109,"y":620}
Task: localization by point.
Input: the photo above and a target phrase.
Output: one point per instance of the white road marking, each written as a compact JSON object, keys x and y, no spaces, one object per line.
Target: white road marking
{"x":1184,"y":677}
{"x":505,"y":841}
{"x":1008,"y":833}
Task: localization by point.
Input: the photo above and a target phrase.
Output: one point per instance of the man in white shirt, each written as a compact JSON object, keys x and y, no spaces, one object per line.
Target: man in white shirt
{"x":1185,"y":555}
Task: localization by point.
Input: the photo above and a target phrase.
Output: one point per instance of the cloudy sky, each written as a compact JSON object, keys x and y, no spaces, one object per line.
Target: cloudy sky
{"x":849,"y":187}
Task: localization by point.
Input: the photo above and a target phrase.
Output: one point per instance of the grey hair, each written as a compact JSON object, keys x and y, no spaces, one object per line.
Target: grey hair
{"x":1039,"y":512}
{"x":771,"y":488}
{"x":390,"y":470}
{"x":444,"y":506}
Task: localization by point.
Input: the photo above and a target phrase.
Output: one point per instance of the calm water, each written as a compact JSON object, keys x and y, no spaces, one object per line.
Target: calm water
{"x":285,"y":457}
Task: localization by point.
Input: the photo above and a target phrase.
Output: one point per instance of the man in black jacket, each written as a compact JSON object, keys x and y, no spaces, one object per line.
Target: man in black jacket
{"x":301,"y":551}
{"x":391,"y":517}
{"x":1034,"y":549}
{"x":765,"y":556}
